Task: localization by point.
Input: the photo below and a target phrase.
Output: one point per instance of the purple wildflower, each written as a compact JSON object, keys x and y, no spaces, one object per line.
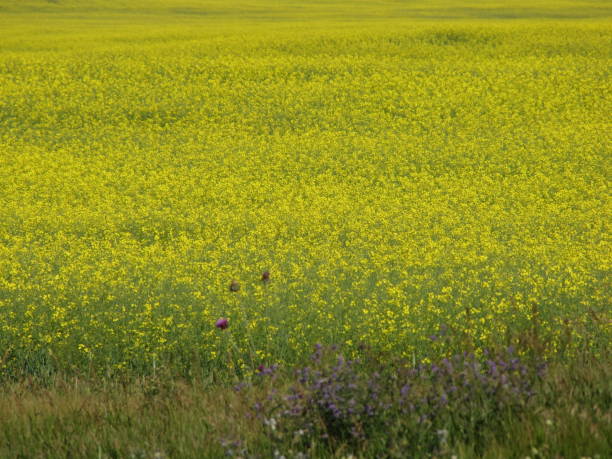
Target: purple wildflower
{"x":222,"y":323}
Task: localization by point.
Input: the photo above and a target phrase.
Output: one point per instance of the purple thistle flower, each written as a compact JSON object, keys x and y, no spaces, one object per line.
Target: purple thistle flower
{"x":222,"y":323}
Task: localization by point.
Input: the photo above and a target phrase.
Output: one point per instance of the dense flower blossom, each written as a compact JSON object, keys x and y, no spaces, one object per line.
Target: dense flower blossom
{"x":389,"y":177}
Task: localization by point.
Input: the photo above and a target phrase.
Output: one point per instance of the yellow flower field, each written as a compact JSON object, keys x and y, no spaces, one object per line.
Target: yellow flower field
{"x":405,"y":174}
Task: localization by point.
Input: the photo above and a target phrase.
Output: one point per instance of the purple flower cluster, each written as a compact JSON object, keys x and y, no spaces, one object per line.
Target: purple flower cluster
{"x":266,"y":371}
{"x":467,"y":391}
{"x":337,"y":399}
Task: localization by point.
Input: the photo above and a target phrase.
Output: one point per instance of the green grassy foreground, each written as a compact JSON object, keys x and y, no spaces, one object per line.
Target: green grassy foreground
{"x":161,"y":418}
{"x":422,"y":179}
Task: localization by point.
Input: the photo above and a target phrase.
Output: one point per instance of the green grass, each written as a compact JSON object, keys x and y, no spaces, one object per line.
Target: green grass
{"x":159,"y":417}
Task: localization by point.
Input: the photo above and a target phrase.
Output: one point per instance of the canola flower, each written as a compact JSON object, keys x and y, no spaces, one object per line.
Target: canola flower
{"x":396,"y":176}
